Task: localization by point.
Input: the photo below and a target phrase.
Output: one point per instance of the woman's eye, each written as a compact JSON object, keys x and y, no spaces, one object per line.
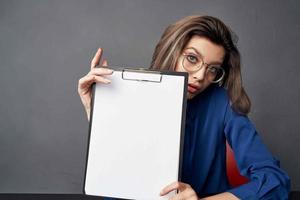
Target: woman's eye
{"x":213,"y":70}
{"x":192,"y":59}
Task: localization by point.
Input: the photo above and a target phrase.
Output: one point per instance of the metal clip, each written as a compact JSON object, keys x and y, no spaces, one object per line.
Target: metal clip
{"x":145,"y":78}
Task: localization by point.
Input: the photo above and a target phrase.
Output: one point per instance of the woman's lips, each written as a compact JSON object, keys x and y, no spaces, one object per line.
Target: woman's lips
{"x":192,"y":88}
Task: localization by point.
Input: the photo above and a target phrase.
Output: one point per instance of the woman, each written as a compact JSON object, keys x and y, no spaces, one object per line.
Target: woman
{"x":217,"y":111}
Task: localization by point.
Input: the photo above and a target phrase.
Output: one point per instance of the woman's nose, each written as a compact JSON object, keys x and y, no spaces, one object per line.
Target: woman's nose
{"x":199,"y":75}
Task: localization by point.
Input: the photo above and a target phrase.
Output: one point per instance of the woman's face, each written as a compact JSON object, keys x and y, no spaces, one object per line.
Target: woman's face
{"x":210,"y":53}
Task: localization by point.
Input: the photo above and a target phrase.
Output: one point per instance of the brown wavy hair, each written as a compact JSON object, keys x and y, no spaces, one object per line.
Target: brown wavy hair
{"x":177,"y":35}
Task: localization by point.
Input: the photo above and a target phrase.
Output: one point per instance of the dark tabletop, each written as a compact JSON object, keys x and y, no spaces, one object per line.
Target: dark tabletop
{"x":295,"y":195}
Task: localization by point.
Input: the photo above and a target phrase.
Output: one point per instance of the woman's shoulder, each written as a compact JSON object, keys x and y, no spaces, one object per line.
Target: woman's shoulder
{"x":222,"y":99}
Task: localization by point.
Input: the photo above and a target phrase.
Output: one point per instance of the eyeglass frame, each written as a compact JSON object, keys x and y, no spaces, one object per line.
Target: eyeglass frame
{"x":203,"y":63}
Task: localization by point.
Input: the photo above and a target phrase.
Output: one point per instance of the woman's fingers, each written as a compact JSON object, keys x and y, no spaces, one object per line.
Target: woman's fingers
{"x":104,"y":63}
{"x":173,"y":186}
{"x":101,"y":79}
{"x":97,"y":58}
{"x":184,"y":195}
{"x":86,"y":82}
{"x":185,"y":191}
{"x":89,"y":79}
{"x":95,"y":75}
{"x":100,"y":71}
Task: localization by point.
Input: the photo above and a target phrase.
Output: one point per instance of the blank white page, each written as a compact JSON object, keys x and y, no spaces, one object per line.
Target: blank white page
{"x":134,"y":145}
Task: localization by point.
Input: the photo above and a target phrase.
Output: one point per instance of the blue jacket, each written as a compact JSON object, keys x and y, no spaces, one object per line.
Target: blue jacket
{"x":210,"y":121}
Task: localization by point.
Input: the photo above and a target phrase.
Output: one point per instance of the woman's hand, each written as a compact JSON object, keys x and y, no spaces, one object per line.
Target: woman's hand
{"x":186,"y":192}
{"x":94,"y":75}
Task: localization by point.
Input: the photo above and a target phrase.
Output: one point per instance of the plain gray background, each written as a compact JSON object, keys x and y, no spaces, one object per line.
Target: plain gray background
{"x":46,"y":46}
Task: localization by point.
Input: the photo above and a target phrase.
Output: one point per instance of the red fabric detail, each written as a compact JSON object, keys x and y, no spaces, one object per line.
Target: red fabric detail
{"x":233,"y":173}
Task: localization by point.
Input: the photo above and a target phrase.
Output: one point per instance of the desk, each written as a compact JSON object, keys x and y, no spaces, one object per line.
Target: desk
{"x":47,"y":197}
{"x":294,"y":195}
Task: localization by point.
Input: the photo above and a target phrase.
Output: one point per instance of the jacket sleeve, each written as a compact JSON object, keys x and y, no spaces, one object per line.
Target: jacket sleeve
{"x":267,"y":179}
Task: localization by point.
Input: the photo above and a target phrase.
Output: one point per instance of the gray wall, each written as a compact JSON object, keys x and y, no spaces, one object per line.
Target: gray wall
{"x":46,"y":46}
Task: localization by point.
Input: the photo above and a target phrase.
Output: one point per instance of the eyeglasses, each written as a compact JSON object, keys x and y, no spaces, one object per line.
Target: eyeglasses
{"x":191,"y":63}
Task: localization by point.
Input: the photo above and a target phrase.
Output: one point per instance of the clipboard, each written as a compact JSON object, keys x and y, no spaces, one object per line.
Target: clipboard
{"x":136,"y":134}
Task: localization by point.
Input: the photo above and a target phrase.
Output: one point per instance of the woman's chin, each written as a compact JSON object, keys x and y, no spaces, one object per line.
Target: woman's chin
{"x":190,"y":95}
